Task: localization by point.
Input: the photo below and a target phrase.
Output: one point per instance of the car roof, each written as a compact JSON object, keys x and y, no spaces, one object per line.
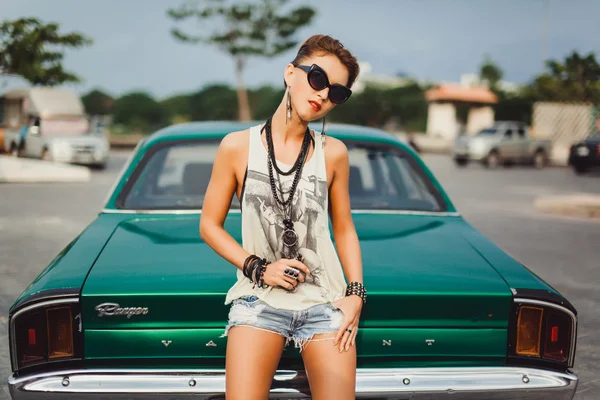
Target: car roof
{"x":218,"y":129}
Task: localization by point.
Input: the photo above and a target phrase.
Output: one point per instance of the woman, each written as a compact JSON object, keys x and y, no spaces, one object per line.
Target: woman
{"x":291,"y":284}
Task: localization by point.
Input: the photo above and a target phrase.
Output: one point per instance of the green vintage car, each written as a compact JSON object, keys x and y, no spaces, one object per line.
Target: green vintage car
{"x":134,"y":306}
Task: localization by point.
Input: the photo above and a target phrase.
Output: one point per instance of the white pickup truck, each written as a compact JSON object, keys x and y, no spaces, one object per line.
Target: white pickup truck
{"x":503,"y":143}
{"x":50,"y":123}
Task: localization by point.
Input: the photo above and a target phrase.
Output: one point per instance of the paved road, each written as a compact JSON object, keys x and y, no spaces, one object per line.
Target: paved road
{"x":38,"y":220}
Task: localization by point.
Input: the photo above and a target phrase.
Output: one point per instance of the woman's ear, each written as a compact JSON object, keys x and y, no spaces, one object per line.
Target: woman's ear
{"x":288,"y":73}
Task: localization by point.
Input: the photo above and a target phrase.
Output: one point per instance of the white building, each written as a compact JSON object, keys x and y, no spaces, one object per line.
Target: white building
{"x":441,"y":117}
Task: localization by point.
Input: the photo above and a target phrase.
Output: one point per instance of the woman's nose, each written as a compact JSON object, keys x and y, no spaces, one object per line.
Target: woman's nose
{"x":323,"y":93}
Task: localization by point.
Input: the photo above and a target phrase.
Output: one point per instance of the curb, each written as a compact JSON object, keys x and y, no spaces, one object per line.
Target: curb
{"x":575,"y":205}
{"x":21,"y":170}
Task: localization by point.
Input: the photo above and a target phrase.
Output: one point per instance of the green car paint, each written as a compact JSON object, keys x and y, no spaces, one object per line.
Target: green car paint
{"x":439,"y":291}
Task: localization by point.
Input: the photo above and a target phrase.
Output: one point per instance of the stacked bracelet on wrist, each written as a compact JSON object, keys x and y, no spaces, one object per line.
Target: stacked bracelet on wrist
{"x":358,"y":289}
{"x":254,"y":268}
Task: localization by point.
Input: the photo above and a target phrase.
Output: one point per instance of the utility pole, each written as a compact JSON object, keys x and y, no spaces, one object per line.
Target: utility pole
{"x":546,"y":4}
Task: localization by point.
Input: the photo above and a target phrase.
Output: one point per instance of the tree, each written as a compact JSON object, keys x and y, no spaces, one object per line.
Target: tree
{"x":214,"y":102}
{"x":35,"y":51}
{"x":245,"y":29}
{"x":576,"y":79}
{"x":138,"y":111}
{"x":408,"y":105}
{"x":377,"y":106}
{"x":177,"y":108}
{"x":491,"y":73}
{"x":265,"y":99}
{"x":97,"y":102}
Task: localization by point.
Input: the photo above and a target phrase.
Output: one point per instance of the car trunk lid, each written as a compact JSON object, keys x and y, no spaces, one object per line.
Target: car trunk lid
{"x":424,"y":281}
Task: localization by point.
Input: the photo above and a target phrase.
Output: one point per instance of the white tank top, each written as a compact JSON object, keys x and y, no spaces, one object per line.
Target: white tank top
{"x":262,"y":226}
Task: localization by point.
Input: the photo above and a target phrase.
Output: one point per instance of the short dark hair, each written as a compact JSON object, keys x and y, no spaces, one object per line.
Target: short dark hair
{"x":323,"y":45}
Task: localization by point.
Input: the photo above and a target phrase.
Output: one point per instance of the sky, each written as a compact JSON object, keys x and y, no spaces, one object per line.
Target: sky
{"x":427,"y":39}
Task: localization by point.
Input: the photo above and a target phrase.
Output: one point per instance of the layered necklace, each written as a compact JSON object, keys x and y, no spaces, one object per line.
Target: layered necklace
{"x":290,"y":237}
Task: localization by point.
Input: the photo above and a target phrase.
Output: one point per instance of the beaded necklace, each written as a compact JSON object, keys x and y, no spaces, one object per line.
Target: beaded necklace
{"x":290,"y":237}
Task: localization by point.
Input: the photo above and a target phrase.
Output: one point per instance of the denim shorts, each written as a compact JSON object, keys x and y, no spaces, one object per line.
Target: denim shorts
{"x":298,"y":326}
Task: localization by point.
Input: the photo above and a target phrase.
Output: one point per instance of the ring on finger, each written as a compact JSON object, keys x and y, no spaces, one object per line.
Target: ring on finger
{"x":291,"y":273}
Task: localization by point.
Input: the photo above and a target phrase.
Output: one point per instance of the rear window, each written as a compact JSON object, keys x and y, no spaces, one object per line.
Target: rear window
{"x":176,"y":176}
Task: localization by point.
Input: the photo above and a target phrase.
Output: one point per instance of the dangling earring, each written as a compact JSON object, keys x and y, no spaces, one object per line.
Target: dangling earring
{"x":288,"y":105}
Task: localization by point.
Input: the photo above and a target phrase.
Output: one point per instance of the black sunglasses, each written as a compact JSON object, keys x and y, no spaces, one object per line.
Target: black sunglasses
{"x":317,"y":79}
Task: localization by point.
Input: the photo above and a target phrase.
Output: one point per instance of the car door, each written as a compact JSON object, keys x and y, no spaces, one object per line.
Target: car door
{"x":521,"y":144}
{"x":507,"y":144}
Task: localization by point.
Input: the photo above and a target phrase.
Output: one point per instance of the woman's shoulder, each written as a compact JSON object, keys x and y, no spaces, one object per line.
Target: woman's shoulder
{"x":335,"y":148}
{"x":236,"y":141}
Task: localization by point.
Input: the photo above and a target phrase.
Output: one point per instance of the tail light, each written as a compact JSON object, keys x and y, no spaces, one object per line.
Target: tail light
{"x":543,"y":331}
{"x":60,"y":332}
{"x":31,"y":348}
{"x":529,"y":331}
{"x":46,"y":332}
{"x":558,"y":336}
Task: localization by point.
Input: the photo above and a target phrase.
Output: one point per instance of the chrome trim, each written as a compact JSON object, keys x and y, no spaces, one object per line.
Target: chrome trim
{"x":471,"y":383}
{"x":13,"y":344}
{"x":563,"y":309}
{"x":236,"y":211}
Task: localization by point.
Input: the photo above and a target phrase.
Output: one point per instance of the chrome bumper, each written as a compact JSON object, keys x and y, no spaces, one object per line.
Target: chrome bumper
{"x":401,"y":383}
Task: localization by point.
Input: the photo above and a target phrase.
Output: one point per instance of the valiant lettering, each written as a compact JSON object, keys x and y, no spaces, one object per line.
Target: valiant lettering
{"x":114,"y":309}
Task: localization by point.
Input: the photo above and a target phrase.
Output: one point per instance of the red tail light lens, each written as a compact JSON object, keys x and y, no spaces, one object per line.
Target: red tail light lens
{"x":47,"y":332}
{"x":31,"y":342}
{"x":558,"y":336}
{"x":60,"y":332}
{"x":32,"y":337}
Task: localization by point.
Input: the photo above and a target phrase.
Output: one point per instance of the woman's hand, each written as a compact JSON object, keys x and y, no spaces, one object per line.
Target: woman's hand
{"x":351,"y":306}
{"x":275,"y":273}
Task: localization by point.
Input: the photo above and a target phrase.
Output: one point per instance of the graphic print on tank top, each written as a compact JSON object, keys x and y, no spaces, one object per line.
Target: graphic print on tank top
{"x":309,"y":202}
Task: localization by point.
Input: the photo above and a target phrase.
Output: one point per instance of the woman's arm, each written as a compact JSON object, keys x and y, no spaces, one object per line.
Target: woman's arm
{"x":221,"y":188}
{"x":344,"y":232}
{"x":346,"y":240}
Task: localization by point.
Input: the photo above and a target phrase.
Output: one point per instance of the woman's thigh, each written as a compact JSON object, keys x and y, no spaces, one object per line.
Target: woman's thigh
{"x":331,"y":374}
{"x":251,"y":361}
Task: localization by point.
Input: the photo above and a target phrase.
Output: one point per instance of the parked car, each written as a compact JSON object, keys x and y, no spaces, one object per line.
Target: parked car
{"x":134,"y":306}
{"x":585,"y":155}
{"x":49,"y":123}
{"x":502,"y":143}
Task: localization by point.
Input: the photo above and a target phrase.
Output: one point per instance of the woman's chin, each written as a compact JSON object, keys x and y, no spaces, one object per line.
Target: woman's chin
{"x":309,"y":115}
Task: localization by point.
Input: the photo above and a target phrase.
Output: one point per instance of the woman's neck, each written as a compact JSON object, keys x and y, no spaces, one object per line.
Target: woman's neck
{"x":292,"y":131}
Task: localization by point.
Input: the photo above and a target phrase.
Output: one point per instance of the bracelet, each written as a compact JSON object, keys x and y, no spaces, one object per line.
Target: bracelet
{"x":358,"y":289}
{"x":245,"y":269}
{"x":254,"y":269}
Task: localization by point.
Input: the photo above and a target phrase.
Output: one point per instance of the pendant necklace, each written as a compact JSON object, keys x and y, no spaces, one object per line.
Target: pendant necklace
{"x":289,"y":237}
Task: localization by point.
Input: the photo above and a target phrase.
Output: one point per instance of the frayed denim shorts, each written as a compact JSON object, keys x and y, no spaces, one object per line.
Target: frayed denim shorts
{"x":297,"y":326}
